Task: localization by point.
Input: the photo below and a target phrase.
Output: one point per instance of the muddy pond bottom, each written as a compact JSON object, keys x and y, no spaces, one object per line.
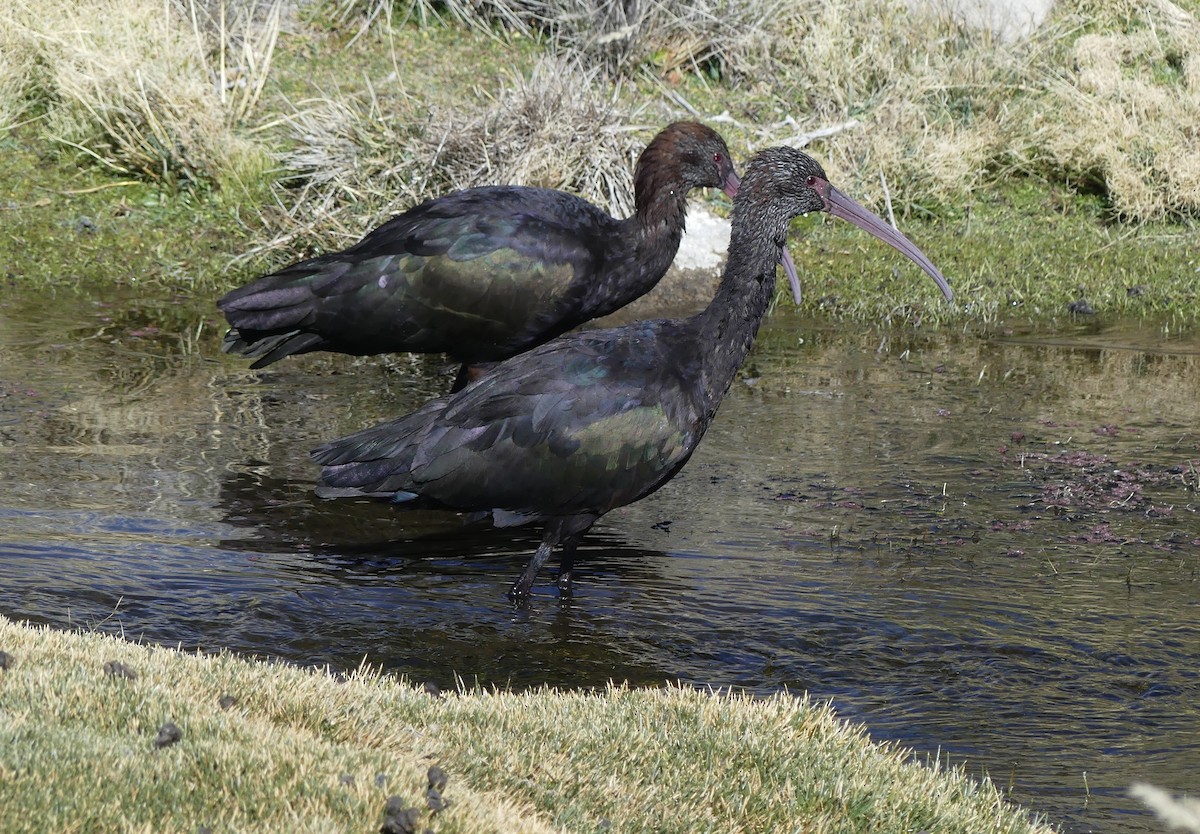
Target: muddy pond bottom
{"x":983,"y":548}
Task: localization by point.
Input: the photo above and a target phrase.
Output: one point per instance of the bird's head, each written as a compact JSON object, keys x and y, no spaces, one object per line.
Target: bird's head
{"x":696,"y":153}
{"x":783,"y":183}
{"x":702,"y":160}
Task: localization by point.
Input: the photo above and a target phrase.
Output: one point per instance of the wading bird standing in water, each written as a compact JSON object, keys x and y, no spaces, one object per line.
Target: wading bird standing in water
{"x":485,"y":273}
{"x":597,"y":419}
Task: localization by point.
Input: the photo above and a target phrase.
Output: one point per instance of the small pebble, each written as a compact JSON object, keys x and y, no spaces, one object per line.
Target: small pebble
{"x":432,"y":689}
{"x":6,"y":660}
{"x":168,"y":734}
{"x":346,"y":779}
{"x":227,"y":701}
{"x":117,"y":669}
{"x":1080,"y":308}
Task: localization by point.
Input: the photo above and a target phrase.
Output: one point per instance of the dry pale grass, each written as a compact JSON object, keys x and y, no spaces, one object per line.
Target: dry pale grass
{"x":555,"y":128}
{"x":355,"y":160}
{"x":918,"y":86}
{"x":236,"y":40}
{"x":1116,"y":107}
{"x":712,"y":37}
{"x":1103,"y":97}
{"x":302,"y":751}
{"x":351,"y":159}
{"x":144,"y":88}
{"x":920,"y":90}
{"x":17,"y":72}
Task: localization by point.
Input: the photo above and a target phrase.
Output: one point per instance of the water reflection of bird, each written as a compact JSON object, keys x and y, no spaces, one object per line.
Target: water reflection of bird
{"x":367,"y":543}
{"x":485,"y":273}
{"x":594,"y":420}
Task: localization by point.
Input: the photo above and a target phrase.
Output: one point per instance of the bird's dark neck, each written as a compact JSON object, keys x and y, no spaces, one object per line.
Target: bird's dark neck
{"x":660,"y":202}
{"x":646,"y":242}
{"x":727,"y":326}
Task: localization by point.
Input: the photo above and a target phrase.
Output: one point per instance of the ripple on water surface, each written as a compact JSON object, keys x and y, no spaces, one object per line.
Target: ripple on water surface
{"x":983,"y":547}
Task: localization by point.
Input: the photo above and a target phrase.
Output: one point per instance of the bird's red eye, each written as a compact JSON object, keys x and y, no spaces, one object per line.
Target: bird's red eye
{"x":717,"y":158}
{"x":811,"y":182}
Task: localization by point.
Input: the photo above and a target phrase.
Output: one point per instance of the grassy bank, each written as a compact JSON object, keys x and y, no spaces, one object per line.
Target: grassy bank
{"x":273,"y":748}
{"x":200,"y":143}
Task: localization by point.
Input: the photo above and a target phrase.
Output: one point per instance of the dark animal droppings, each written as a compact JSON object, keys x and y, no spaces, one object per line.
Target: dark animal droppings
{"x":437,"y":778}
{"x":435,"y":801}
{"x":168,"y":734}
{"x":397,"y":819}
{"x":117,"y":669}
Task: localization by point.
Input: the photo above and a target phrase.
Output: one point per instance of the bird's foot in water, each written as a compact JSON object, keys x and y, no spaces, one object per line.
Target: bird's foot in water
{"x":520,"y":591}
{"x":566,"y":583}
{"x":521,"y":595}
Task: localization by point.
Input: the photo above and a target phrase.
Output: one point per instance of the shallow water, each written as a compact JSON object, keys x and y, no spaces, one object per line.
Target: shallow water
{"x":986,"y":549}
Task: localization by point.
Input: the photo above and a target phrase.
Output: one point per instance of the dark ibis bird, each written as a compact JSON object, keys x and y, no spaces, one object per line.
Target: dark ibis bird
{"x":597,"y":419}
{"x":484,"y":273}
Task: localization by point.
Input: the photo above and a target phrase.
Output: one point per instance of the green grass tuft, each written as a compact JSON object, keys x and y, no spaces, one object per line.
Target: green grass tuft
{"x":303,"y":751}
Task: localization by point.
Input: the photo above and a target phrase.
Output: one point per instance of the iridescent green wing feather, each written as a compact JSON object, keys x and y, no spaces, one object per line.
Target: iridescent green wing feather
{"x":581,"y":424}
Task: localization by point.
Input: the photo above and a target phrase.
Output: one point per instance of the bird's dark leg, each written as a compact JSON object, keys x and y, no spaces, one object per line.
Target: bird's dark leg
{"x":566,"y":563}
{"x":462,"y":378}
{"x":469,"y":373}
{"x":565,"y":529}
{"x":521,"y":588}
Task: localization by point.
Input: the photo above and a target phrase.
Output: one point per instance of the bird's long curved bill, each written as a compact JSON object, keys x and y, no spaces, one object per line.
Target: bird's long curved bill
{"x":789,"y":269}
{"x":732,"y":183}
{"x":839,"y":205}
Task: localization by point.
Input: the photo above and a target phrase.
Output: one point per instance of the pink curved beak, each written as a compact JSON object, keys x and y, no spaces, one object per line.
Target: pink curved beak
{"x":839,"y":205}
